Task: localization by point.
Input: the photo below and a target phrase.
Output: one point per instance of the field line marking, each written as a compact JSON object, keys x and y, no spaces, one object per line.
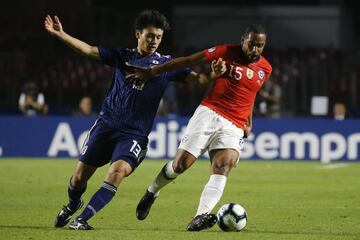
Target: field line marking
{"x":333,"y":166}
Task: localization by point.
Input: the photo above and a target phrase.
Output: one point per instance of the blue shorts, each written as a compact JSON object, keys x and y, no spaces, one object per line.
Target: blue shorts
{"x":105,"y":144}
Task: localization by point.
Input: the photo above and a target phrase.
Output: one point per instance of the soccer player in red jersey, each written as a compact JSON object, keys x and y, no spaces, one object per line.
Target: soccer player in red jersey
{"x":219,"y":124}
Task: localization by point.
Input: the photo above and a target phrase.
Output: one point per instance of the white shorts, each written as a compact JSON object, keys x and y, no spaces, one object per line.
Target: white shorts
{"x":207,"y":130}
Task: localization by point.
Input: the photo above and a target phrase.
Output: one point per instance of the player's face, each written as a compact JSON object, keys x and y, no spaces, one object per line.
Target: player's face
{"x":149,"y":39}
{"x":253,"y":45}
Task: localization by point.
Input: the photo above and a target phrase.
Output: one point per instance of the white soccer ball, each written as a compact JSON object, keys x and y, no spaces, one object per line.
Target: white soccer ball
{"x":232,"y":217}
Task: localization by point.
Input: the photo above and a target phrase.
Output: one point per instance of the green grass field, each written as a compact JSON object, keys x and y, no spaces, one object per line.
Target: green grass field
{"x":284,"y":200}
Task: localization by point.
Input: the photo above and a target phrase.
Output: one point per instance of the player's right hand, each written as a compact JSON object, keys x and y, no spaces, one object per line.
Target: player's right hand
{"x":53,"y":27}
{"x":247,"y":131}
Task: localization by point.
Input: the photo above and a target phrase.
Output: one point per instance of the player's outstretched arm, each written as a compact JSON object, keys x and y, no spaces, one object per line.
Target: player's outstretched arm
{"x":54,"y":27}
{"x":190,"y":61}
{"x":218,"y":68}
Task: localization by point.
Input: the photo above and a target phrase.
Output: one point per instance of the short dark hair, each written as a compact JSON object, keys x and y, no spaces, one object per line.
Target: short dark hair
{"x":254,"y":28}
{"x":151,"y":17}
{"x":30,"y":88}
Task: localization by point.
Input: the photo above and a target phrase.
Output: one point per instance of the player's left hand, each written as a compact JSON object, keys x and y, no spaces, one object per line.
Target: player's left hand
{"x":218,"y":67}
{"x":140,"y":73}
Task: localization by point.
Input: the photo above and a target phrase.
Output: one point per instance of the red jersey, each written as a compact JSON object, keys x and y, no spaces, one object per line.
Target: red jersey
{"x":233,"y":94}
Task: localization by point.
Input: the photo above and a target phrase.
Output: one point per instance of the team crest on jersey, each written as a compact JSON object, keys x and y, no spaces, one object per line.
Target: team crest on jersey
{"x":261,"y":74}
{"x":249,"y":73}
{"x":185,"y":139}
{"x":155,"y":61}
{"x":211,"y":49}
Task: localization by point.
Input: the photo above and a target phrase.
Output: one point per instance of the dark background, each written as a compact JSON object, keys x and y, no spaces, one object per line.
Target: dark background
{"x":28,"y":53}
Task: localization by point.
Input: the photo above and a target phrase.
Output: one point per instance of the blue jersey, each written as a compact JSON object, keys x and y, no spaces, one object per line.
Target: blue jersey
{"x":131,"y":106}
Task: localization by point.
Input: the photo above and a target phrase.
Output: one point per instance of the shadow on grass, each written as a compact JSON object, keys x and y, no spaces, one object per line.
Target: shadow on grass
{"x":25,"y":227}
{"x":301,"y":233}
{"x":179,"y":230}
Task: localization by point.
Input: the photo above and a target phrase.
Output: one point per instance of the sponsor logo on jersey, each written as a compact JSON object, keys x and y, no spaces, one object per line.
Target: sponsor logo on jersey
{"x":249,"y":73}
{"x":261,"y":74}
{"x":211,"y":49}
{"x":155,"y":61}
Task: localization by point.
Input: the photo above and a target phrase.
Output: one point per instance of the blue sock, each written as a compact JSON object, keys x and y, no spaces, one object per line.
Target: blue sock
{"x":74,"y":196}
{"x":102,"y":197}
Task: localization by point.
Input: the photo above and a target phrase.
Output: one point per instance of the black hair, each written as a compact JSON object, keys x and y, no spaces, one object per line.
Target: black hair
{"x":254,"y":28}
{"x":30,"y":88}
{"x":151,"y":17}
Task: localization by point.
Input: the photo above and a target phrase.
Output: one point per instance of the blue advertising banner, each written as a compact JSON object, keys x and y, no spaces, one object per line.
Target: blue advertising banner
{"x":294,"y":139}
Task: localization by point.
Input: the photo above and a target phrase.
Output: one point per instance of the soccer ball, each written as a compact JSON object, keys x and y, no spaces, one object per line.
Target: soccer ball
{"x":231,"y":217}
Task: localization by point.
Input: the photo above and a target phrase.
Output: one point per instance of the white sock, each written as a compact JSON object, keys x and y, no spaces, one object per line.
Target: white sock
{"x":211,"y":194}
{"x":166,"y":175}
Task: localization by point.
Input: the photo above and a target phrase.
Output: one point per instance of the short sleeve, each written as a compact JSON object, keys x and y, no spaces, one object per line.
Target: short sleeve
{"x":111,"y":56}
{"x":40,"y":99}
{"x":22,"y":99}
{"x":266,"y":66}
{"x":215,"y":53}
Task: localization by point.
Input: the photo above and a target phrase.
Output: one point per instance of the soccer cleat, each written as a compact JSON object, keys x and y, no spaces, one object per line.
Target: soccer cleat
{"x":202,"y":221}
{"x":143,"y":208}
{"x":79,"y":224}
{"x":65,"y":214}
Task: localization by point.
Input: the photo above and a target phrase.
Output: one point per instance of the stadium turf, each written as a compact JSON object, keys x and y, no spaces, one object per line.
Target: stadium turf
{"x":284,"y":200}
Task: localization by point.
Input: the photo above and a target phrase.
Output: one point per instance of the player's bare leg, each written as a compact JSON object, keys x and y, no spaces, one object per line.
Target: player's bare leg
{"x":81,"y":175}
{"x":116,"y":173}
{"x":77,"y":187}
{"x":183,"y":160}
{"x":222,"y":161}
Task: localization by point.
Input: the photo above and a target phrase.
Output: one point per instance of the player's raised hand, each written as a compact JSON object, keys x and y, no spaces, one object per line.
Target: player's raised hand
{"x":218,"y":67}
{"x":53,"y":27}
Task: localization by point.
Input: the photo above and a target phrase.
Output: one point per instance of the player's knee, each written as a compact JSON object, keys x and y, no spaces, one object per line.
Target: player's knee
{"x":223,"y":167}
{"x":116,"y":176}
{"x":118,"y":173}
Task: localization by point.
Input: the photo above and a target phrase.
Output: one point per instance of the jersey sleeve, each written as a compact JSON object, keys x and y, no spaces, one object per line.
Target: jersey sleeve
{"x":22,"y":99}
{"x":40,"y":99}
{"x":111,"y":56}
{"x":268,"y":70}
{"x":215,"y":52}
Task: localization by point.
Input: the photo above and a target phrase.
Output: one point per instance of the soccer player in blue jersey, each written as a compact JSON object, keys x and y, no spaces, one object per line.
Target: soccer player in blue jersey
{"x":120,"y":134}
